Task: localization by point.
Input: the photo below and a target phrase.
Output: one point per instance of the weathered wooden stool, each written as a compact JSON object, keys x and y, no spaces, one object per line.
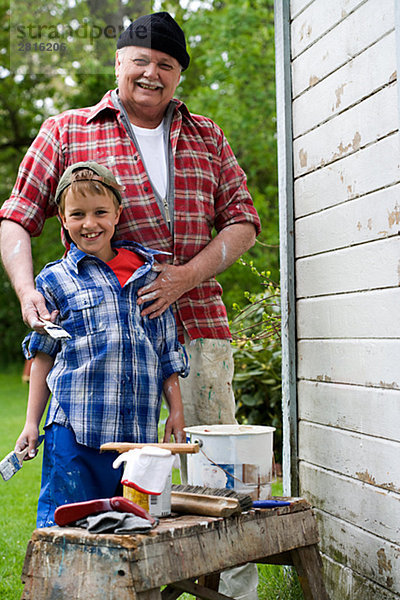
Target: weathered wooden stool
{"x":72,"y":564}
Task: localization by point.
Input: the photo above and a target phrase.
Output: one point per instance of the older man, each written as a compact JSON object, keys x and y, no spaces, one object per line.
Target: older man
{"x":181,"y":181}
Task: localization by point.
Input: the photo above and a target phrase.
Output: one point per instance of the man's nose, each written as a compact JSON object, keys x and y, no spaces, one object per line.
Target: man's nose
{"x":151,"y":70}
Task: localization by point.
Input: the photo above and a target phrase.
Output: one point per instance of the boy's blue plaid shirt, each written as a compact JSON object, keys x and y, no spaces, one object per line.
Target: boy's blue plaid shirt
{"x":106,"y":381}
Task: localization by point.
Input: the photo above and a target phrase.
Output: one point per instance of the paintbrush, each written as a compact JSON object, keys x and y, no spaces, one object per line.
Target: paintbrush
{"x":203,"y":504}
{"x":245,"y":501}
{"x":55,"y":331}
{"x":13,"y":461}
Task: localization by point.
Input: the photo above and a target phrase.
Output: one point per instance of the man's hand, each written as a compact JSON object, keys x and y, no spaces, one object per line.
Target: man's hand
{"x":171,"y":283}
{"x":33,"y":308}
{"x":216,"y":257}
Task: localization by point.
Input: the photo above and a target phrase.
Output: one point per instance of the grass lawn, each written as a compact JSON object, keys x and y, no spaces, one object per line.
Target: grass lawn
{"x":19,"y":496}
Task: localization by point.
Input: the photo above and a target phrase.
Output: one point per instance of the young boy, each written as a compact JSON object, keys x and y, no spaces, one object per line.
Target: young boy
{"x":106,"y":380}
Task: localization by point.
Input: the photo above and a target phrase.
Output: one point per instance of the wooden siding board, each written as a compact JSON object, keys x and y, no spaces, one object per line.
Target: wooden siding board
{"x":297,"y":6}
{"x":366,"y":554}
{"x":397,"y":29}
{"x":316,"y":20}
{"x":375,"y":511}
{"x":372,"y":411}
{"x":349,"y":178}
{"x":352,"y":586}
{"x":375,"y":265}
{"x":361,"y":77}
{"x":373,"y":363}
{"x":367,"y":315}
{"x":365,"y":219}
{"x":353,"y":35}
{"x":358,"y":456}
{"x":362,"y":125}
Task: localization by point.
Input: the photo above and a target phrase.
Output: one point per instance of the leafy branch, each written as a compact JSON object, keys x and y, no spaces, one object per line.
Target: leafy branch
{"x":260,"y":318}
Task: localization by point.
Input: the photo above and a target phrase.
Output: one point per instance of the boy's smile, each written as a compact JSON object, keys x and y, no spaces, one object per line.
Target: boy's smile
{"x":90,"y":221}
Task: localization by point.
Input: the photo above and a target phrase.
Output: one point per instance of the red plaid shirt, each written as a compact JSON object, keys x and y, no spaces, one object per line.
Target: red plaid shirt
{"x":210,"y":191}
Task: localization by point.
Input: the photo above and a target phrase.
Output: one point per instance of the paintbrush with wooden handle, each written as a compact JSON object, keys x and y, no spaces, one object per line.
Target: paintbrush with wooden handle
{"x":13,"y":461}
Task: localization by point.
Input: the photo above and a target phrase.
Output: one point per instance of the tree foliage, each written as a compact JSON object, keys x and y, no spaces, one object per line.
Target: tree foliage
{"x":230,"y":79}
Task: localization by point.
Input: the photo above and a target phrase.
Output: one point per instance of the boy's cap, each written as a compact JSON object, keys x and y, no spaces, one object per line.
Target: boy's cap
{"x":159,"y":31}
{"x":101,"y":174}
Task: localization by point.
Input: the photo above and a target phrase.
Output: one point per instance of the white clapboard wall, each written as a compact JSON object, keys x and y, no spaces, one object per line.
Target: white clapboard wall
{"x":346,"y":157}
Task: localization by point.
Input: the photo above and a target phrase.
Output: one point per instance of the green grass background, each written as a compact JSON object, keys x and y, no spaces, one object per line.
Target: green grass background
{"x":18,"y":498}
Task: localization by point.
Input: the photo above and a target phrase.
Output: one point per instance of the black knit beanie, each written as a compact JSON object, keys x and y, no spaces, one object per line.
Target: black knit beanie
{"x":160,"y":32}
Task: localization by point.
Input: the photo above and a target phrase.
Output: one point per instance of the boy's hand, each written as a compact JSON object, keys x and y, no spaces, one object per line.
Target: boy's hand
{"x":174,"y":426}
{"x":29,"y":437}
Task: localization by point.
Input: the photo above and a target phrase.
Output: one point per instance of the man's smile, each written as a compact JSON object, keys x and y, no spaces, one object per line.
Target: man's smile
{"x":146,"y":85}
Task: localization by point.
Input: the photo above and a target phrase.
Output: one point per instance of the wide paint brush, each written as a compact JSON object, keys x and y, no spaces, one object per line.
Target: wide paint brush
{"x":13,"y":461}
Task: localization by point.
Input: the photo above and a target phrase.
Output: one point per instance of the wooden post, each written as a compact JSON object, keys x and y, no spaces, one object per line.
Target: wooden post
{"x":308,"y":564}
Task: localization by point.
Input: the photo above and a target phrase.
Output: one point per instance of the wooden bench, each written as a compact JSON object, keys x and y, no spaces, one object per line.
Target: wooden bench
{"x":72,"y":564}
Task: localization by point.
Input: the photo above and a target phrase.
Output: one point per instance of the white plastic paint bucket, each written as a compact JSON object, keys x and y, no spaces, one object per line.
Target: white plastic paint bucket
{"x":238,"y":457}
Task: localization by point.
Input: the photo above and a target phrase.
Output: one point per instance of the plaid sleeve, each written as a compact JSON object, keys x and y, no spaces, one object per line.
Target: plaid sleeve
{"x":233,"y":203}
{"x":173,"y":357}
{"x":36,"y":342}
{"x":30,"y":202}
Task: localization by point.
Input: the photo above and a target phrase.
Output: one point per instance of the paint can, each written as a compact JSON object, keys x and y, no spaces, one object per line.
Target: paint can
{"x":238,"y":457}
{"x":139,"y":498}
{"x":158,"y":505}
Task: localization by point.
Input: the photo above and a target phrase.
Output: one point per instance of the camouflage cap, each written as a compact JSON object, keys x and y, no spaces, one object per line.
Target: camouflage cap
{"x":101,"y":174}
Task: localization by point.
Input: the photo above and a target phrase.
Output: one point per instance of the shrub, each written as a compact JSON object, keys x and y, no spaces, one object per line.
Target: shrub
{"x":257,"y":353}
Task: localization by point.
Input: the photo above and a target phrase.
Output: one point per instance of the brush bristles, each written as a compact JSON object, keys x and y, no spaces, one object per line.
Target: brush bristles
{"x":245,"y":501}
{"x":9,"y":466}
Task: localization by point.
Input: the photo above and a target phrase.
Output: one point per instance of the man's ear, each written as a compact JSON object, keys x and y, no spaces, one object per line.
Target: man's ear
{"x":117,"y":64}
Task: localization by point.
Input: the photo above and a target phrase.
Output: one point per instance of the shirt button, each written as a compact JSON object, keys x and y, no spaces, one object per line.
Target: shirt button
{"x":146,"y":189}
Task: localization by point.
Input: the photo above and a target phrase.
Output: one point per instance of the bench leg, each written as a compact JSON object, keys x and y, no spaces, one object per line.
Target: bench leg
{"x":307,"y":561}
{"x":154,"y":594}
{"x":170,"y":593}
{"x":195,"y":589}
{"x":209,"y":581}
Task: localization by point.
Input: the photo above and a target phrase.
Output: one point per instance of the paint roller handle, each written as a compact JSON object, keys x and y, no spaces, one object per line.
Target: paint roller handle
{"x":174,"y":448}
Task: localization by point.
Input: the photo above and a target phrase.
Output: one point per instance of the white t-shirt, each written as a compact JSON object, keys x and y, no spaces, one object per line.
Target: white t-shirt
{"x":151,"y":142}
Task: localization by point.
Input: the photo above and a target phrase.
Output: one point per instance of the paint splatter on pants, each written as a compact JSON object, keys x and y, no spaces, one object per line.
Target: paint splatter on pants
{"x":72,"y":472}
{"x":207,"y":393}
{"x":208,"y":399}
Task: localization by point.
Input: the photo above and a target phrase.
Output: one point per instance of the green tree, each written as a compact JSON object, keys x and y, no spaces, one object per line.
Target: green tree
{"x":230,"y":79}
